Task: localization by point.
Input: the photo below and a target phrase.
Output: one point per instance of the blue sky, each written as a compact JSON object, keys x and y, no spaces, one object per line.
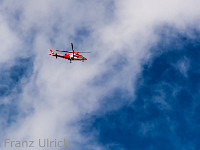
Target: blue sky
{"x":10,"y":79}
{"x":138,"y":90}
{"x":165,"y":112}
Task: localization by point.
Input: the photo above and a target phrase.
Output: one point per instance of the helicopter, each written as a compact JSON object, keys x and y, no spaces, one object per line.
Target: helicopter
{"x":70,"y":55}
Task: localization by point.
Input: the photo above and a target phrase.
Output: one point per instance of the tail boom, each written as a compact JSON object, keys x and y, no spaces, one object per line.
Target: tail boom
{"x":52,"y":53}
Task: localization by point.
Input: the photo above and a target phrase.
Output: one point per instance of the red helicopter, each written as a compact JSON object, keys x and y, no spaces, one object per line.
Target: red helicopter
{"x":70,"y":55}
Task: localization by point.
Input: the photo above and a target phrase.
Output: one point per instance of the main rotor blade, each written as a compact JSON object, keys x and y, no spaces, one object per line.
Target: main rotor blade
{"x":85,"y":52}
{"x":72,"y":46}
{"x":63,"y":51}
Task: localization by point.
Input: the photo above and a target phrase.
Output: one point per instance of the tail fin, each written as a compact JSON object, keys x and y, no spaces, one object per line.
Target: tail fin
{"x":52,"y":52}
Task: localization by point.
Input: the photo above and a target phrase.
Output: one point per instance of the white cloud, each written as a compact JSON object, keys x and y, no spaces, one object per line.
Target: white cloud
{"x":9,"y":42}
{"x":59,"y":93}
{"x":183,"y":66}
